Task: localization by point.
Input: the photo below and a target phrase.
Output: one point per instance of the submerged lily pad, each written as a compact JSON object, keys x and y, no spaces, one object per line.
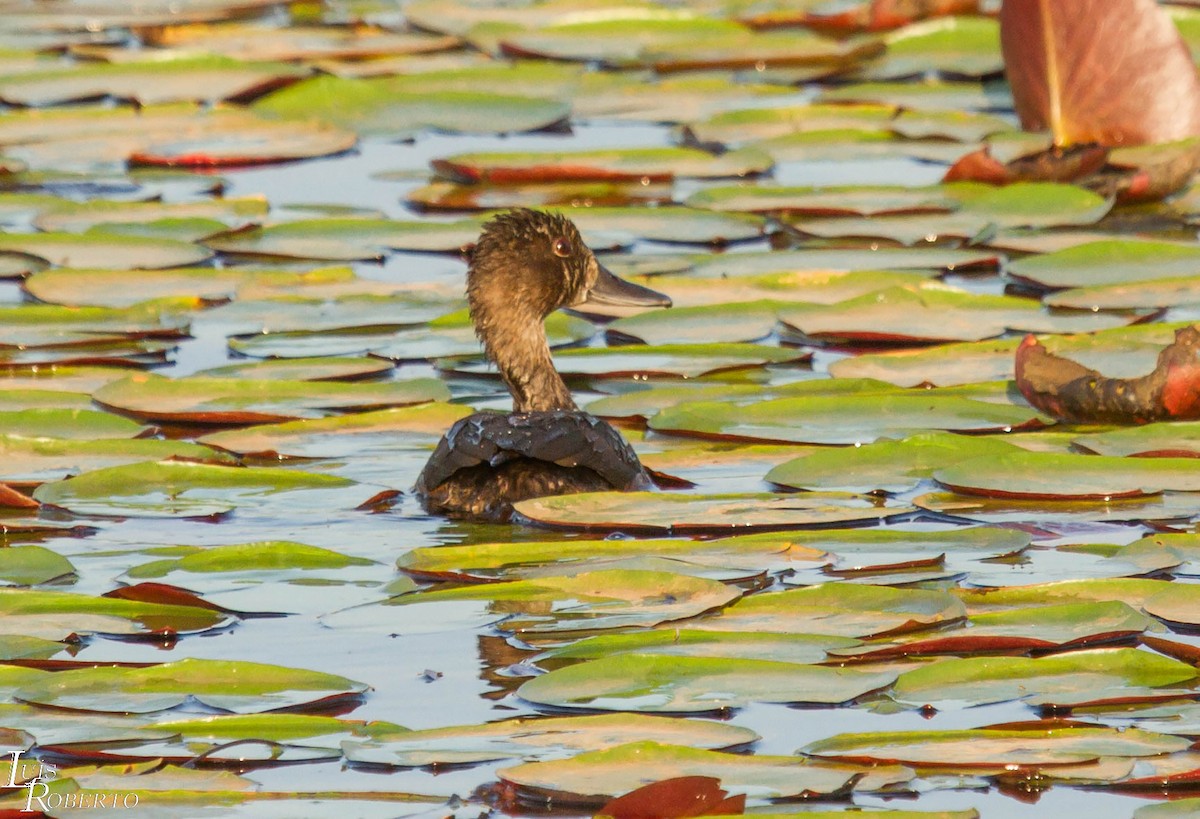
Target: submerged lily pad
{"x":664,"y":683}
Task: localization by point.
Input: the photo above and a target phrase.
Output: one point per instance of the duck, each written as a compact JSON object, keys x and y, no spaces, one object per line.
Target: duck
{"x":525,"y":265}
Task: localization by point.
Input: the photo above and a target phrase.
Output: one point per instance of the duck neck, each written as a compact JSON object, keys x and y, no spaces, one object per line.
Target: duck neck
{"x":522,"y":355}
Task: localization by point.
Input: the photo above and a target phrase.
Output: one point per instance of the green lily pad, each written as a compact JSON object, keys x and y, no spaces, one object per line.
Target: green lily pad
{"x":618,"y":40}
{"x":382,"y":107}
{"x":583,"y":602}
{"x":277,"y":558}
{"x":991,"y":748}
{"x":861,"y":200}
{"x":301,"y":313}
{"x":679,"y":360}
{"x":939,"y":95}
{"x":167,"y":489}
{"x":77,"y":217}
{"x":664,"y":683}
{"x":845,"y":260}
{"x":319,"y":368}
{"x":98,"y":248}
{"x":744,"y":125}
{"x":950,"y":46}
{"x":841,"y":609}
{"x":730,"y":323}
{"x":678,"y":642}
{"x":932,"y":312}
{"x":818,"y":419}
{"x":1170,"y":506}
{"x":527,"y":739}
{"x":55,"y":615}
{"x":1180,"y":439}
{"x":652,"y":512}
{"x":495,"y":561}
{"x":1036,"y":628}
{"x":204,"y":79}
{"x":27,"y":461}
{"x":627,"y":164}
{"x":235,"y":686}
{"x":1116,"y":261}
{"x":80,"y":425}
{"x":450,"y":196}
{"x":245,"y":401}
{"x":32,"y":566}
{"x":595,"y":776}
{"x":1179,"y":809}
{"x":980,"y":680}
{"x":890,"y":466}
{"x":20,"y":647}
{"x":347,"y":239}
{"x":1166,"y":292}
{"x":341,"y":436}
{"x":977,"y":209}
{"x":1022,"y":474}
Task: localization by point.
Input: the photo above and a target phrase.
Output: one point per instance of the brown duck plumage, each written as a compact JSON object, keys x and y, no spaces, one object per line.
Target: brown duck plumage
{"x":526,"y":265}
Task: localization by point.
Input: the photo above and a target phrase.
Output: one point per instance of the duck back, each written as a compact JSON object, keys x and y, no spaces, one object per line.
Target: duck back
{"x":489,"y":461}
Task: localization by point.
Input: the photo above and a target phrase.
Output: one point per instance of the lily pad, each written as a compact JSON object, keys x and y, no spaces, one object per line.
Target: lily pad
{"x":1116,"y":261}
{"x":841,"y":609}
{"x":495,"y":561}
{"x":594,"y":776}
{"x":679,"y":642}
{"x":980,"y":680}
{"x":80,"y":425}
{"x":347,"y":239}
{"x":376,"y":107}
{"x":32,"y":565}
{"x":664,"y":683}
{"x":991,"y":748}
{"x":1022,"y":474}
{"x":55,"y":615}
{"x":548,"y":605}
{"x":26,"y":461}
{"x":234,"y":686}
{"x":652,"y":512}
{"x":889,"y":466}
{"x":950,"y":46}
{"x":526,"y":739}
{"x":627,"y":164}
{"x":97,"y":248}
{"x":246,"y":401}
{"x":167,"y":489}
{"x":832,"y":419}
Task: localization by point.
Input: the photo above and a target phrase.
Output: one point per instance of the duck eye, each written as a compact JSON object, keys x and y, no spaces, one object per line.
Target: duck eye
{"x":562,"y":248}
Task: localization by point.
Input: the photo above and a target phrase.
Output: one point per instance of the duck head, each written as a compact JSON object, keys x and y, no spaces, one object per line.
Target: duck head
{"x":526,"y":265}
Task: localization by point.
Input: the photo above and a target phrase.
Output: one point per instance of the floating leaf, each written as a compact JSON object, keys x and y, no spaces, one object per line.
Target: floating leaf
{"x":32,"y":565}
{"x":957,"y":46}
{"x":663,"y":683}
{"x":246,"y":401}
{"x":679,"y":642}
{"x":67,"y":424}
{"x":991,"y":748}
{"x":26,"y":461}
{"x":980,"y":680}
{"x":525,"y":738}
{"x":1115,"y":261}
{"x":836,"y":419}
{"x":627,"y":164}
{"x":1175,"y":440}
{"x":890,"y":466}
{"x":98,"y":248}
{"x":1021,"y":474}
{"x":377,"y":108}
{"x":239,"y":687}
{"x":593,"y":776}
{"x":175,"y":489}
{"x":842,"y":609}
{"x":652,"y":512}
{"x":58,"y":615}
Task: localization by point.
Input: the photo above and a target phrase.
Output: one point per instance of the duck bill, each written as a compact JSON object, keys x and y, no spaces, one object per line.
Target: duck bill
{"x":612,"y":295}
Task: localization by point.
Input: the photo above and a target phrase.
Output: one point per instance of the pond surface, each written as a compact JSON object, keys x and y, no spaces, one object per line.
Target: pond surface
{"x":425,"y":661}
